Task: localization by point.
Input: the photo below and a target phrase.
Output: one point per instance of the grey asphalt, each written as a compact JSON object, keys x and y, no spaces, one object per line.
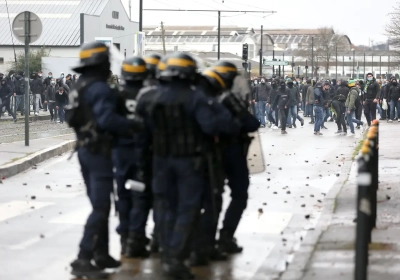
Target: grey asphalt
{"x":42,"y":215}
{"x":333,"y":254}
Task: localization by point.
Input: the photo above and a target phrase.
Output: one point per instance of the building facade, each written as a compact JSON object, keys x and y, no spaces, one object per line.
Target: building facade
{"x":66,"y":25}
{"x":292,"y":45}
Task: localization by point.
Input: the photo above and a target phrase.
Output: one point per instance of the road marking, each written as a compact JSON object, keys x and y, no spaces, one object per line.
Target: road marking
{"x":17,"y":208}
{"x":34,"y":240}
{"x":268,"y":222}
{"x":74,"y":218}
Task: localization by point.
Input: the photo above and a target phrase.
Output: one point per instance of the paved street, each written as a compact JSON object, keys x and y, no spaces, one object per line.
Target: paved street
{"x":42,"y":211}
{"x":333,"y":255}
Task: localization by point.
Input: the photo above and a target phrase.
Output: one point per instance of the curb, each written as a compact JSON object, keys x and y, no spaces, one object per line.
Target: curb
{"x":25,"y":163}
{"x":302,"y":257}
{"x":22,"y":118}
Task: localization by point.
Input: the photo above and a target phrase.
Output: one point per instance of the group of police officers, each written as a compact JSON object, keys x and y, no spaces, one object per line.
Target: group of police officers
{"x":180,"y":133}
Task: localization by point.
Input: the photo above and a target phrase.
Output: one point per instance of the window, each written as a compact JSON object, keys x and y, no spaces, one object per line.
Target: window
{"x":1,"y":60}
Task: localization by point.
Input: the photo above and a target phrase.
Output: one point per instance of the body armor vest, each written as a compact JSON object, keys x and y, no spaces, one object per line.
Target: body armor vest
{"x":176,"y":133}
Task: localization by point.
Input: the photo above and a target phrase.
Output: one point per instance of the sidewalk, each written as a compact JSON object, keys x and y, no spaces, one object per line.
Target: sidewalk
{"x":15,"y":157}
{"x":329,"y":252}
{"x":43,"y":115}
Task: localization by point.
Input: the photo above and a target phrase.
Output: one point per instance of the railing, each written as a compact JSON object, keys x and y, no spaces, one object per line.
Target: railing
{"x":366,"y":199}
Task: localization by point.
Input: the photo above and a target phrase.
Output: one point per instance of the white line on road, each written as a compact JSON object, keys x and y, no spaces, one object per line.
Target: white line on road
{"x":34,"y":240}
{"x":17,"y":208}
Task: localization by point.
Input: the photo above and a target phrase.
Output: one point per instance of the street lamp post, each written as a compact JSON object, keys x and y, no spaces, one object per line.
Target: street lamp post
{"x":354,"y":55}
{"x":364,"y":65}
{"x":336,"y":61}
{"x":312,"y":56}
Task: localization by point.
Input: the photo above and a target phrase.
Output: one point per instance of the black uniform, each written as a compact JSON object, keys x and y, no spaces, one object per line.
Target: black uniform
{"x":283,"y":101}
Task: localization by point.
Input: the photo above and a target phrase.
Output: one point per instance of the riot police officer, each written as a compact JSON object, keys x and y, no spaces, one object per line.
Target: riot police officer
{"x":145,"y":100}
{"x":235,"y":159}
{"x":181,"y":117}
{"x":125,"y":159}
{"x":152,"y":61}
{"x":92,"y":114}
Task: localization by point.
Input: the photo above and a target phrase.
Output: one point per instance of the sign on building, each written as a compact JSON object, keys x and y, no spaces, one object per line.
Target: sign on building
{"x":139,"y":44}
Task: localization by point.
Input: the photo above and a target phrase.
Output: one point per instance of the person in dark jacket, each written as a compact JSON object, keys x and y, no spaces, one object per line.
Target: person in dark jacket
{"x":37,"y":88}
{"x":262,"y":93}
{"x":283,"y":101}
{"x":318,"y":108}
{"x":359,"y":101}
{"x":372,"y":91}
{"x":304,"y":89}
{"x":19,"y":94}
{"x":273,"y":113}
{"x":47,"y":80}
{"x":61,"y":102}
{"x":10,"y":79}
{"x":5,"y":95}
{"x":339,"y":109}
{"x":60,"y":83}
{"x":50,"y":99}
{"x":293,"y":112}
{"x":69,"y":82}
{"x":394,"y":99}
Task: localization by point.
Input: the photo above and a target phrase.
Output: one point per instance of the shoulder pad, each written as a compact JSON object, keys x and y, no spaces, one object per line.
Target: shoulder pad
{"x":146,"y":90}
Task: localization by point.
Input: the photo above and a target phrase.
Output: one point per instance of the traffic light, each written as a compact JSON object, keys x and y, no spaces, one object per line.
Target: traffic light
{"x":245,"y":52}
{"x":264,"y":60}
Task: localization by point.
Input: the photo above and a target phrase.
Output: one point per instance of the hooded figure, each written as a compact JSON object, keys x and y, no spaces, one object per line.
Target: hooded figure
{"x":283,"y":102}
{"x":5,"y":95}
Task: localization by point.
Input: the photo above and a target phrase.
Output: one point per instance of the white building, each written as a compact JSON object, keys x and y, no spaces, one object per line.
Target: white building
{"x":291,"y":45}
{"x":67,"y":25}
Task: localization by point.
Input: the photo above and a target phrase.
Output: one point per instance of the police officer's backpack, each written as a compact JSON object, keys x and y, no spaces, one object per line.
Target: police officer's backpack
{"x":77,"y":113}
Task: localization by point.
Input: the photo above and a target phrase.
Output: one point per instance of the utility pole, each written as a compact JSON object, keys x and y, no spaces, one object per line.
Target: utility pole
{"x":219,"y":35}
{"x":213,"y":11}
{"x":163,"y":38}
{"x":336,"y":61}
{"x":140,"y":14}
{"x":364,"y":66}
{"x":312,"y":57}
{"x":261,"y":50}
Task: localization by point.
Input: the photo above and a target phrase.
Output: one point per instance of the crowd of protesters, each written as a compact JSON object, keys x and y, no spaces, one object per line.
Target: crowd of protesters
{"x":47,"y":94}
{"x":278,"y":102}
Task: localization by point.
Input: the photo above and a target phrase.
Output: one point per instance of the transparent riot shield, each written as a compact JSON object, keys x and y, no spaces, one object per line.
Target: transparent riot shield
{"x":242,"y":90}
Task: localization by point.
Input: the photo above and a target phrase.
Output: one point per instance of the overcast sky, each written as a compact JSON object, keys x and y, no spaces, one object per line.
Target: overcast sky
{"x":360,"y":20}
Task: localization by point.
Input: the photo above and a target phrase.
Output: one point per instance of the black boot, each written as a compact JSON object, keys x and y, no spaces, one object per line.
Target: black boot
{"x":217,"y":255}
{"x":124,"y":240}
{"x":176,"y":269}
{"x":85,"y":269}
{"x":136,"y":246}
{"x":200,"y":258}
{"x":227,"y":243}
{"x":155,"y":245}
{"x":106,"y":261}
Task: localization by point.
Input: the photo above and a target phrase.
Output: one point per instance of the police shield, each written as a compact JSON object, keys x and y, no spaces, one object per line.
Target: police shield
{"x":242,"y":90}
{"x":116,"y":59}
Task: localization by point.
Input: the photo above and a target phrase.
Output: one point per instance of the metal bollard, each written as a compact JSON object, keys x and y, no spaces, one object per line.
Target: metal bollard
{"x":363,"y":229}
{"x":372,"y":139}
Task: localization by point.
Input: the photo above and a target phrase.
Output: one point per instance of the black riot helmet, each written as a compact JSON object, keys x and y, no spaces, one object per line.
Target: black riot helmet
{"x":227,"y":70}
{"x":93,"y":54}
{"x":134,"y":69}
{"x":152,"y":61}
{"x":179,"y":65}
{"x":214,"y":79}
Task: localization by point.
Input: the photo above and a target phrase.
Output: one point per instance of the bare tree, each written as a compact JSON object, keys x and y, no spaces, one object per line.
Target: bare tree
{"x":393,"y":32}
{"x":326,"y":43}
